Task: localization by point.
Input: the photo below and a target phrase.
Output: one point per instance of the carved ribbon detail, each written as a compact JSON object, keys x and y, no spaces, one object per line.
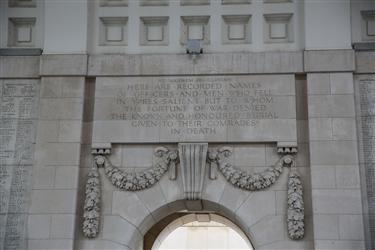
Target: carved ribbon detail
{"x":262,"y":180}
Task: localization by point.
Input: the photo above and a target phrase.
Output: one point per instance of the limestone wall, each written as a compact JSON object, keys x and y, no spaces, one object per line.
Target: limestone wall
{"x":328,"y":158}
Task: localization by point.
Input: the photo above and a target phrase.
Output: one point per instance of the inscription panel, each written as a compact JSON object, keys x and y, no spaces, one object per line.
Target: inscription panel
{"x":366,"y":87}
{"x":195,"y":108}
{"x":18,"y":104}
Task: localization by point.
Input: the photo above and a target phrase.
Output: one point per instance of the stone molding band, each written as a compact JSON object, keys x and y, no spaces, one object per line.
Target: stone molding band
{"x":215,"y":159}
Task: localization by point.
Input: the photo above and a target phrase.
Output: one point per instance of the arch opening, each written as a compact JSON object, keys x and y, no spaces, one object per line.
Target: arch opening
{"x":198,"y":231}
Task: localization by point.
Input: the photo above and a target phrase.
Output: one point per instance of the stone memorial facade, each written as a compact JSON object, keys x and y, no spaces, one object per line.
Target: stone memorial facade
{"x":111,"y":135}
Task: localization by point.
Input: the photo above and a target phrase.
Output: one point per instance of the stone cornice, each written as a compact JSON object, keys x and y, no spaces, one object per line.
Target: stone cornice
{"x":63,"y":65}
{"x":19,"y":66}
{"x":342,"y":60}
{"x":365,"y":62}
{"x":273,"y":62}
{"x":205,"y":64}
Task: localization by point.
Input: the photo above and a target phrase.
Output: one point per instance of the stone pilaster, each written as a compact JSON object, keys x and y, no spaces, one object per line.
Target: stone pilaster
{"x":336,"y":193}
{"x":52,"y":214}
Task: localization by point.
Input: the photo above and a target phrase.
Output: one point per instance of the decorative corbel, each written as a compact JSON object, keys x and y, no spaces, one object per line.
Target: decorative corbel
{"x":101,"y":149}
{"x":285,"y":148}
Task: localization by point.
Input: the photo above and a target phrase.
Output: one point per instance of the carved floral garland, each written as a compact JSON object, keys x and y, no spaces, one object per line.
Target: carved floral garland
{"x":91,"y":214}
{"x":142,"y":180}
{"x":168,"y":159}
{"x":295,"y":214}
{"x":258,"y":181}
{"x":122,"y":180}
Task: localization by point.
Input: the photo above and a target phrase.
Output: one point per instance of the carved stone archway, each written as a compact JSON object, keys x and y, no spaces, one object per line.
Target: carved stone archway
{"x":195,"y":161}
{"x":160,"y":231}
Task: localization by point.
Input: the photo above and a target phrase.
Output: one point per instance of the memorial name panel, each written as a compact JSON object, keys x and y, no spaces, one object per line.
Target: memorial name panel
{"x":195,"y":108}
{"x":367,"y":121}
{"x":18,"y":114}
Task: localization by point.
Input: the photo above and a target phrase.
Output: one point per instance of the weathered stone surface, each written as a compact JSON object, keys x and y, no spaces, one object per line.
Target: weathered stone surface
{"x":249,"y":155}
{"x":57,"y":154}
{"x":128,"y":206}
{"x":319,"y":84}
{"x":62,"y":226}
{"x":341,"y":83}
{"x":339,"y":244}
{"x":277,"y":62}
{"x":42,"y":222}
{"x":113,"y":65}
{"x":51,"y":244}
{"x":53,"y":201}
{"x":365,"y":62}
{"x":351,"y":227}
{"x":221,"y":63}
{"x":268,"y":229}
{"x":344,"y":129}
{"x":347,"y":177}
{"x":323,"y":177}
{"x":337,"y":201}
{"x":116,"y":229}
{"x":326,"y":227}
{"x":70,"y":131}
{"x":19,"y":66}
{"x":62,"y":87}
{"x":66,"y":177}
{"x":99,"y":245}
{"x":60,"y":65}
{"x":320,"y":129}
{"x":43,"y":177}
{"x":334,"y":153}
{"x":152,"y":198}
{"x":329,"y":60}
{"x":138,"y":156}
{"x":249,"y":212}
{"x":61,"y":108}
{"x":331,"y":106}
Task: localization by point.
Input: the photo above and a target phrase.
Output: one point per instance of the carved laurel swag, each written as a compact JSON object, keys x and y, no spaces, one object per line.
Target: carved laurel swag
{"x":295,"y":214}
{"x":91,"y":209}
{"x":141,"y":180}
{"x":262,"y":180}
{"x":244,"y":180}
{"x":168,"y":159}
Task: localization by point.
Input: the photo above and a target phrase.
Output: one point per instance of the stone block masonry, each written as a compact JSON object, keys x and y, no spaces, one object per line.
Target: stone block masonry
{"x":334,"y":162}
